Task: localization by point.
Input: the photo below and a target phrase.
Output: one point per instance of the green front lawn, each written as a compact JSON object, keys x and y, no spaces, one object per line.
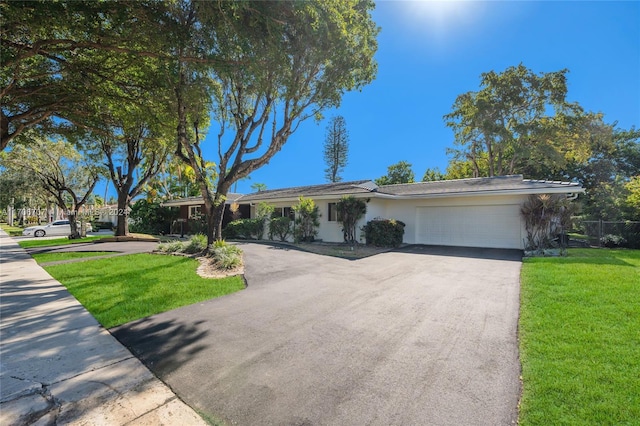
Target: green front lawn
{"x":13,"y":231}
{"x":55,"y":242}
{"x":580,"y":338}
{"x":54,"y":257}
{"x":121,"y":289}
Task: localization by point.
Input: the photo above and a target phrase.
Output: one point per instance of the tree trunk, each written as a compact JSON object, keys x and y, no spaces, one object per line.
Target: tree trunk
{"x":73,"y":223}
{"x":122,"y":226}
{"x":219,"y":206}
{"x":216,"y":221}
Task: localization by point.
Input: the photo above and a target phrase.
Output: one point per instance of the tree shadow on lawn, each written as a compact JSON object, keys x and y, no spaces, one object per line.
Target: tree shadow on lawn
{"x":162,"y":346}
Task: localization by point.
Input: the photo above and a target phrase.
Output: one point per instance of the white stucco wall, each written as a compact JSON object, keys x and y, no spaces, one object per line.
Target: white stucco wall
{"x":329,"y":231}
{"x":405,"y":211}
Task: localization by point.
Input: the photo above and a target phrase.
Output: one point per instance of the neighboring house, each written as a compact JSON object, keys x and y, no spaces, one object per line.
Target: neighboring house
{"x":192,"y":209}
{"x":479,"y":212}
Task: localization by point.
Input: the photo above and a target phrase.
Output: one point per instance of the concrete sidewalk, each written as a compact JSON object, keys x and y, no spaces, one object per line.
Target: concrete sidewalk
{"x":59,"y":366}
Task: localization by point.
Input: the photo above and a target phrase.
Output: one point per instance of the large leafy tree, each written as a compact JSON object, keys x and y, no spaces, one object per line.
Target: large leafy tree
{"x":614,"y":161}
{"x":258,"y":68}
{"x":336,"y":148}
{"x":517,"y":119}
{"x":271,"y":65}
{"x":57,"y":56}
{"x":400,"y":172}
{"x":131,"y":140}
{"x":132,"y":155}
{"x":63,"y":173}
{"x":19,"y":190}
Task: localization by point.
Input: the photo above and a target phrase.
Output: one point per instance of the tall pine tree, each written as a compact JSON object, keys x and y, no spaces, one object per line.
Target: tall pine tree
{"x":336,"y":147}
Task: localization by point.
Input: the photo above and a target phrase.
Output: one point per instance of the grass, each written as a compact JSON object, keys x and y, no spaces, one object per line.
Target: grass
{"x":13,"y":231}
{"x":54,"y":257}
{"x":580,"y":339}
{"x":121,"y":289}
{"x":577,"y":236}
{"x":56,"y":242}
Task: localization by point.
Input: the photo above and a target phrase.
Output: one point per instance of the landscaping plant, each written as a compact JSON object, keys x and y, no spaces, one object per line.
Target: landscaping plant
{"x":249,"y":229}
{"x":545,"y":216}
{"x":225,"y":256}
{"x":197,"y":244}
{"x":307,"y":220}
{"x":280,"y":227}
{"x":350,"y":211}
{"x":264,"y":211}
{"x":384,"y":232}
{"x":151,"y":218}
{"x":172,"y":247}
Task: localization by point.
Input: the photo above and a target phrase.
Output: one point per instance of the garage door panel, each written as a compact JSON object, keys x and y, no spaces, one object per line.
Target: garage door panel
{"x":471,"y":226}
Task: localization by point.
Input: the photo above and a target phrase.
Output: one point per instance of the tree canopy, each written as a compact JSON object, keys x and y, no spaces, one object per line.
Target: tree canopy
{"x":59,"y":57}
{"x":400,"y":172}
{"x":516,"y":120}
{"x":64,"y":174}
{"x":433,"y":175}
{"x":521,"y":122}
{"x":277,"y":65}
{"x":252,"y":71}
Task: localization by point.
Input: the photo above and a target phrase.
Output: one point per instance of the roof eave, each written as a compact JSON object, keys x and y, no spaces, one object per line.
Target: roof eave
{"x":315,"y":197}
{"x":529,"y":191}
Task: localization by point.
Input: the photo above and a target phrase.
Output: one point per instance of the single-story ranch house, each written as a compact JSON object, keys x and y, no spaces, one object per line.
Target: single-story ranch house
{"x":477,"y":212}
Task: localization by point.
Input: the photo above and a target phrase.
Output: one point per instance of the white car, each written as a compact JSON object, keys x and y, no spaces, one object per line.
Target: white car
{"x":59,"y":227}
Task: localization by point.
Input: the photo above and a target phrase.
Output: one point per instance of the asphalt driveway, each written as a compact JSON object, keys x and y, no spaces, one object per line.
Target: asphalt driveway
{"x":416,"y":337}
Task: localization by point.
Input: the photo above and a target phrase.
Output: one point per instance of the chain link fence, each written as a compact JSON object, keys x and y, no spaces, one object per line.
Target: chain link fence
{"x":601,"y":233}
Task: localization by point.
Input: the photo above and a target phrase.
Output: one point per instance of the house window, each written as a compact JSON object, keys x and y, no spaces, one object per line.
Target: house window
{"x":195,"y":211}
{"x":283,"y":212}
{"x":333,"y":213}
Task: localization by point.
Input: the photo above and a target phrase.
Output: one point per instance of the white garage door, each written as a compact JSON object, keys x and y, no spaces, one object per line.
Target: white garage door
{"x":470,"y":226}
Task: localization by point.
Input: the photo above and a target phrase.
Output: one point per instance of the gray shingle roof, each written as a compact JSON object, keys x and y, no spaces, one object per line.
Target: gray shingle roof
{"x":192,"y":201}
{"x":487,"y":184}
{"x":329,"y":189}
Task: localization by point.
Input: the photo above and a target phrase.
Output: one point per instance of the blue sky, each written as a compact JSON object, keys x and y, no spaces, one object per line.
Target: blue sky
{"x":430,"y":52}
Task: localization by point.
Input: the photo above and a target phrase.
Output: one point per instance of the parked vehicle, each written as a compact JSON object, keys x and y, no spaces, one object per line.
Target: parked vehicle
{"x":59,"y":227}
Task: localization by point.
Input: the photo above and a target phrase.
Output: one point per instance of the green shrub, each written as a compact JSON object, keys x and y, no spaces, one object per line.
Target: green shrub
{"x":97,"y":225}
{"x":384,"y":233}
{"x":280,"y":227}
{"x":225,"y":256}
{"x":172,"y":247}
{"x":264,"y":210}
{"x":197,"y":244}
{"x":151,"y":218}
{"x":613,"y":241}
{"x":307,"y":220}
{"x":250,"y":229}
